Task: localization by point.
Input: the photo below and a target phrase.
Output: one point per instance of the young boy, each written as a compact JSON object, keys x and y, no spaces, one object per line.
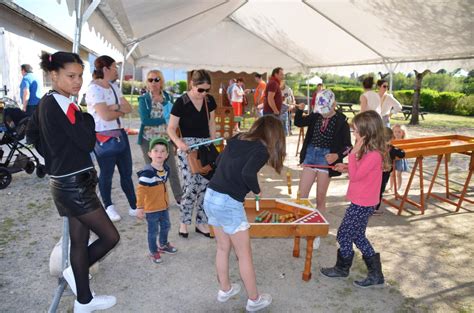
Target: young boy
{"x":152,"y":199}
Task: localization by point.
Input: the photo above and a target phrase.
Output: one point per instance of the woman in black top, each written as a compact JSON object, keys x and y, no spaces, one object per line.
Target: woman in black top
{"x":235,"y":176}
{"x":65,"y":137}
{"x":327,"y":142}
{"x":194,"y":114}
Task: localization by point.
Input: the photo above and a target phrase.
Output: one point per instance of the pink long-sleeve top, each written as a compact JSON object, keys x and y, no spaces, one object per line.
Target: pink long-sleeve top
{"x":365,"y":178}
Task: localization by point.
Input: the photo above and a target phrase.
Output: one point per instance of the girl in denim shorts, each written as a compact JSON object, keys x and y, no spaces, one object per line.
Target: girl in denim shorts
{"x":327,"y":142}
{"x":235,"y":176}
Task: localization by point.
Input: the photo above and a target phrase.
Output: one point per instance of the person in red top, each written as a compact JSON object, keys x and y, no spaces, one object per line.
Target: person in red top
{"x":273,"y":96}
{"x":319,"y":88}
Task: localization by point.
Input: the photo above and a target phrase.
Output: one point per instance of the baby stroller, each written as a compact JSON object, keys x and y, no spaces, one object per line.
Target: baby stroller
{"x":13,"y":122}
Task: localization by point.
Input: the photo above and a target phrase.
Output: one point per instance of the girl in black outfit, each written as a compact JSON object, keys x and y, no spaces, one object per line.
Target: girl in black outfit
{"x":394,"y":154}
{"x":65,"y":137}
{"x":327,"y":142}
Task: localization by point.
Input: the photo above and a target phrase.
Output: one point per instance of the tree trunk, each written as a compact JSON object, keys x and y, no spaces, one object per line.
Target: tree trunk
{"x":415,"y":120}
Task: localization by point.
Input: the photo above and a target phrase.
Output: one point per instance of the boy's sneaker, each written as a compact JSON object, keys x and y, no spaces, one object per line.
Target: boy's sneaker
{"x":168,"y":248}
{"x":262,"y":301}
{"x":97,"y":303}
{"x":223,"y":296}
{"x":113,"y":215}
{"x":132,"y":212}
{"x":156,"y":258}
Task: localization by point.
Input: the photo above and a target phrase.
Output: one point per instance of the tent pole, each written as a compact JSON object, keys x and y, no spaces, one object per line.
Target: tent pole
{"x":126,"y":55}
{"x":80,"y":20}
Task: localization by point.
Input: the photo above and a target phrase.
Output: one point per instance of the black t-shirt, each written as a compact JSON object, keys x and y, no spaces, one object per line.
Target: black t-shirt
{"x":237,"y":168}
{"x":193,"y":123}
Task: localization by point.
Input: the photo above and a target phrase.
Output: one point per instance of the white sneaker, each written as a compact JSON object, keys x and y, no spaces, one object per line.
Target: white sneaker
{"x":223,"y":296}
{"x":132,"y":212}
{"x":97,"y":303}
{"x":113,"y":215}
{"x":263,"y":301}
{"x":68,"y":275}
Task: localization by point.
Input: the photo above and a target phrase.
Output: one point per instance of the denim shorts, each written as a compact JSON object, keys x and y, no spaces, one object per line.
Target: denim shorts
{"x":316,"y":156}
{"x":224,"y":211}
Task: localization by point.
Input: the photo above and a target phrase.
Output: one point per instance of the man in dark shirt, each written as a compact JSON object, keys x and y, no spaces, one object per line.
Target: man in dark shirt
{"x":273,"y":96}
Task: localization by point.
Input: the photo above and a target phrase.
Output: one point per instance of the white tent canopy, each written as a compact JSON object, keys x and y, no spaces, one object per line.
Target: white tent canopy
{"x":258,"y":35}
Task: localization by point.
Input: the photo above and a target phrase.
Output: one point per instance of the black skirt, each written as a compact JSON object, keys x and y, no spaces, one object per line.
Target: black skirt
{"x":76,"y":195}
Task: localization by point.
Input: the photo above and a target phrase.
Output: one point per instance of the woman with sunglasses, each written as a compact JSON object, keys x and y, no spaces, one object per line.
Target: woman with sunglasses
{"x":107,"y":105}
{"x":154,"y":107}
{"x":194,"y":114}
{"x":389,"y":105}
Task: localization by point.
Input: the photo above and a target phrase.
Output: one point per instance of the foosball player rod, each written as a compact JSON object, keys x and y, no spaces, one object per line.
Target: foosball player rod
{"x":262,"y":216}
{"x":268,"y":218}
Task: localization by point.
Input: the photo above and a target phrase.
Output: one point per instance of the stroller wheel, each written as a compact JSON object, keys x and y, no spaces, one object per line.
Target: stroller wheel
{"x":5,"y":178}
{"x":40,"y":171}
{"x":30,"y":167}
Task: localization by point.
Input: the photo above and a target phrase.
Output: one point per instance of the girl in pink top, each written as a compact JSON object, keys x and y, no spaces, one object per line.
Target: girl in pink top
{"x":366,"y":163}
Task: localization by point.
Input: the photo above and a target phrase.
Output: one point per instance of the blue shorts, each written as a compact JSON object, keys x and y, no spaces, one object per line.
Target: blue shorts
{"x":316,"y":156}
{"x":224,"y":211}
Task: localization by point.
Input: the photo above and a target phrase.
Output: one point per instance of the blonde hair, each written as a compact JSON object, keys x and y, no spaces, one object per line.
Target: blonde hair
{"x":370,"y":126}
{"x":402,"y":128}
{"x":269,"y":131}
{"x":159,"y":74}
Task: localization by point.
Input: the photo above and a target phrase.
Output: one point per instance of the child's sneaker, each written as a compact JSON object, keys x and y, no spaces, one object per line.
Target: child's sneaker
{"x":262,"y":301}
{"x":168,"y":248}
{"x":156,"y":258}
{"x":223,"y":296}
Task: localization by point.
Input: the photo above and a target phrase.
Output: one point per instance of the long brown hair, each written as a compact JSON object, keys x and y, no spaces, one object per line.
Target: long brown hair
{"x":370,"y":126}
{"x":269,"y":130}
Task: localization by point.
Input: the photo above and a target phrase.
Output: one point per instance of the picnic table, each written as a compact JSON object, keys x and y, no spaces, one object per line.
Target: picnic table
{"x":406,"y":110}
{"x":347,"y":107}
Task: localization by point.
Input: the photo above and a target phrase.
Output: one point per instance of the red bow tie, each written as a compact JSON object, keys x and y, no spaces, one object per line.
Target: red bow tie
{"x":71,"y":113}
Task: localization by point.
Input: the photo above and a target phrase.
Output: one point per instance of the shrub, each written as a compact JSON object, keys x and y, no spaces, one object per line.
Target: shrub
{"x":465,"y":106}
{"x":127,"y":86}
{"x":405,"y":97}
{"x":446,"y":102}
{"x":350,"y":95}
{"x":182,"y":86}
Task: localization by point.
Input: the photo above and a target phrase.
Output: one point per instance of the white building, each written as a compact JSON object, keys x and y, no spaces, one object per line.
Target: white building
{"x":27,"y":28}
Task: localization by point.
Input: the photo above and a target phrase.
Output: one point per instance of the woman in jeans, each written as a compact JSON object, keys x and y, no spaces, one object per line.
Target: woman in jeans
{"x":154,"y":107}
{"x":107,"y":105}
{"x":194,"y":114}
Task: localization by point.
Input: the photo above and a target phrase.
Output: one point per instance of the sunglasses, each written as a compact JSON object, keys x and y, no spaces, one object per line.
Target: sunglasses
{"x":156,"y":80}
{"x":201,"y":90}
{"x":384,"y":86}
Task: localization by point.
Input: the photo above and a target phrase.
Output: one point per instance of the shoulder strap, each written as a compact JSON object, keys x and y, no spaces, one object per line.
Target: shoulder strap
{"x":116,"y":101}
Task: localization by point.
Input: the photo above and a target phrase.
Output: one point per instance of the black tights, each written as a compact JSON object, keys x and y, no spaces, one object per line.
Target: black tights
{"x":83,"y":256}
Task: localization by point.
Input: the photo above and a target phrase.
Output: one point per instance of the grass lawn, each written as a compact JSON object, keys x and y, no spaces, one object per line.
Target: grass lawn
{"x":432,"y":121}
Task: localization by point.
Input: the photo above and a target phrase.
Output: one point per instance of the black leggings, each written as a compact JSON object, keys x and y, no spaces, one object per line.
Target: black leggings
{"x":83,"y":256}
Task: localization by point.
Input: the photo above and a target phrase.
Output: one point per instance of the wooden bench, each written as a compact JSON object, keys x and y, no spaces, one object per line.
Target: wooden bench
{"x":406,"y":110}
{"x":346,"y":107}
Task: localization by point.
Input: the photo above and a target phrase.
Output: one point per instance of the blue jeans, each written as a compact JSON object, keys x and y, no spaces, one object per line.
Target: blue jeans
{"x":157,"y":221}
{"x":107,"y":168}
